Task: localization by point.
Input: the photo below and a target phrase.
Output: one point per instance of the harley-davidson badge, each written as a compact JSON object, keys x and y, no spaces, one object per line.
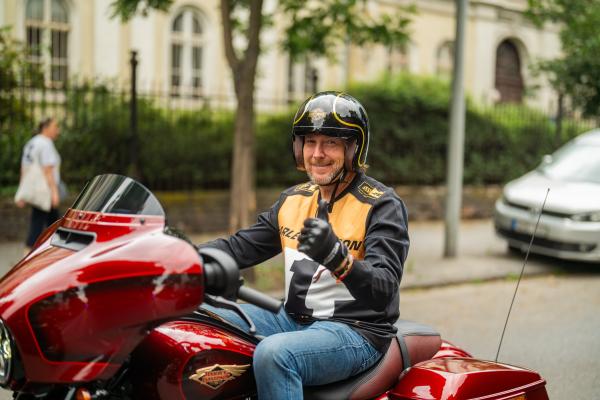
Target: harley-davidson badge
{"x":216,"y":375}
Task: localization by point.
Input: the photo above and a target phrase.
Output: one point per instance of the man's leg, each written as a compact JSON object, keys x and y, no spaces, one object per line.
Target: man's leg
{"x":266,"y":322}
{"x":320,"y":353}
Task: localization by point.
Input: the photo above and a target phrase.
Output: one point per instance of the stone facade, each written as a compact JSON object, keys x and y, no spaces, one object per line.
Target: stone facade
{"x":99,"y":47}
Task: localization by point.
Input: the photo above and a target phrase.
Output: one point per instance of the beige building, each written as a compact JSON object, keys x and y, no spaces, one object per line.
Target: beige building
{"x":180,"y":52}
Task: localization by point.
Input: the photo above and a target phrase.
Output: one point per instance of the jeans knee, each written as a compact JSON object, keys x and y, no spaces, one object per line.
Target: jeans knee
{"x":272,"y":353}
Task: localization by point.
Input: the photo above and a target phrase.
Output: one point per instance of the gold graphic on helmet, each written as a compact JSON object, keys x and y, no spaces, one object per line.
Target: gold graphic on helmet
{"x":216,"y":375}
{"x":304,"y":111}
{"x":362,"y":144}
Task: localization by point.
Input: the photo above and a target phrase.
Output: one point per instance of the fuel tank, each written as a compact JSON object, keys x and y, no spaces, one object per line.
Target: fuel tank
{"x":193,"y":360}
{"x":468,"y":378}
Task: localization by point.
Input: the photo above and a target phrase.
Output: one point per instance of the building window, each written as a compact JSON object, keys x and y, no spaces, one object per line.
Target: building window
{"x":444,"y":60}
{"x":186,"y":54}
{"x":509,"y":81}
{"x":397,"y":59}
{"x":47,"y":30}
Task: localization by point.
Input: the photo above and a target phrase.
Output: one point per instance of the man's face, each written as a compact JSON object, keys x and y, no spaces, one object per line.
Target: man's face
{"x":323,"y":157}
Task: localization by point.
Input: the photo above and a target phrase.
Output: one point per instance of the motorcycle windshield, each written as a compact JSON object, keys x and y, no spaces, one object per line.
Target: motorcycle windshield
{"x":117,"y":194}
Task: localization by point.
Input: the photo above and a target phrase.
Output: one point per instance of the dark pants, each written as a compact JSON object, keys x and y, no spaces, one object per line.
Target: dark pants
{"x":40,"y":220}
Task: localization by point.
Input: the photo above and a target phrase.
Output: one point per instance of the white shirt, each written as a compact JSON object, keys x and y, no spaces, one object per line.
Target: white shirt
{"x":41,"y":149}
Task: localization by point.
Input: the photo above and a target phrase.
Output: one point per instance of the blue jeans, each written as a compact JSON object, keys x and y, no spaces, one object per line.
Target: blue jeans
{"x":294,"y":354}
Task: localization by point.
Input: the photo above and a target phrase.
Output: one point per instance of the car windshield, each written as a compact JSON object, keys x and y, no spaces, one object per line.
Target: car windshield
{"x":117,"y":194}
{"x":574,"y":162}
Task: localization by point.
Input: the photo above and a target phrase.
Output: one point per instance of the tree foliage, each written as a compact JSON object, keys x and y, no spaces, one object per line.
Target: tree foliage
{"x":576,"y":72}
{"x":14,"y":70}
{"x":319,"y":27}
{"x":127,"y":9}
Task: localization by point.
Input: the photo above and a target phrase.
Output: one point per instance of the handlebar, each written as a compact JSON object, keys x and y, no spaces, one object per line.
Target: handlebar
{"x":222,"y":278}
{"x":257,"y":298}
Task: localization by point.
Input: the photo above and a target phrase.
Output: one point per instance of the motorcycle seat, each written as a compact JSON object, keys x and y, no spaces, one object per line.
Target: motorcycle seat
{"x":415,"y":342}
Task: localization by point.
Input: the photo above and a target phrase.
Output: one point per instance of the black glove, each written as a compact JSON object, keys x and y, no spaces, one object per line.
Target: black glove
{"x":319,"y":242}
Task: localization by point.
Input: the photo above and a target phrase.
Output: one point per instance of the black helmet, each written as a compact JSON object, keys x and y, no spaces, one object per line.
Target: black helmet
{"x":333,"y":114}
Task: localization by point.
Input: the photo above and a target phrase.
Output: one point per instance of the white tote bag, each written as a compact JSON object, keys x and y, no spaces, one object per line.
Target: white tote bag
{"x":34,"y":189}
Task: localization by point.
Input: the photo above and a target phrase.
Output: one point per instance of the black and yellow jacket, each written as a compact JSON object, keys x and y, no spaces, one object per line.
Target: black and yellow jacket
{"x":371,"y":220}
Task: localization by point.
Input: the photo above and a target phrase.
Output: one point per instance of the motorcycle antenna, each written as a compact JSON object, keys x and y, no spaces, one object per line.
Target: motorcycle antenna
{"x":522,"y":270}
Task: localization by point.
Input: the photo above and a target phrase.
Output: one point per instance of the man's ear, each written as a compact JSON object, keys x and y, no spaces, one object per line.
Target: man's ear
{"x":298,"y":149}
{"x":351,"y":150}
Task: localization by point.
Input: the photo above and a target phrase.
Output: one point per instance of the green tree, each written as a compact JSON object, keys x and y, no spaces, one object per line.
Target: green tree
{"x":313,"y":28}
{"x":576,"y":73}
{"x":15,"y":119}
{"x":13,"y":64}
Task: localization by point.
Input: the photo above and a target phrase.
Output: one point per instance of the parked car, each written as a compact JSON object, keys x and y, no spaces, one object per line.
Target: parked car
{"x":569,"y":227}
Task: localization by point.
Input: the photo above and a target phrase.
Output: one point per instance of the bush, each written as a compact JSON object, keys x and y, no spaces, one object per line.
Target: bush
{"x":409,"y":125}
{"x":191,"y":149}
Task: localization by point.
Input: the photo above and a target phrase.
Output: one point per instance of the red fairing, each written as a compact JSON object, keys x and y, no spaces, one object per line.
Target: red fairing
{"x":467,"y":378}
{"x":448,"y":349}
{"x":77,"y":314}
{"x":165,"y":363}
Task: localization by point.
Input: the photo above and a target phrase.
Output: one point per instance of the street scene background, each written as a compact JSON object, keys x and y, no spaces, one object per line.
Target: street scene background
{"x":154,"y":92}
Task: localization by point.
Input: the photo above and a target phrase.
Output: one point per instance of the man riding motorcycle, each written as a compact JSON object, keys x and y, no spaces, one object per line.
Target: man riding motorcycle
{"x":344,"y":238}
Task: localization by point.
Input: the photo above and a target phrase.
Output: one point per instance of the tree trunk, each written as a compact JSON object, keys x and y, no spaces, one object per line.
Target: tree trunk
{"x":243,"y":197}
{"x":242,"y":204}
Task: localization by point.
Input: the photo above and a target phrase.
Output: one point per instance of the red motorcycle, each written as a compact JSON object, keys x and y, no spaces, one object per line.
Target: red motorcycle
{"x":108,"y":306}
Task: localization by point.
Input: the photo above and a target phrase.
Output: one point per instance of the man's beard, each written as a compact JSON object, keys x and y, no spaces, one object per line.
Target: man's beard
{"x":327,"y":180}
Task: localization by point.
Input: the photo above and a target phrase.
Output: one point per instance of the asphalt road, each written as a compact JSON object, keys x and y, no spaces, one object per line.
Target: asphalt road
{"x":553,"y":327}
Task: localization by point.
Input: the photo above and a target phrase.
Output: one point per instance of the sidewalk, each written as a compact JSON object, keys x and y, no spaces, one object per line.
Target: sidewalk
{"x":481,"y":256}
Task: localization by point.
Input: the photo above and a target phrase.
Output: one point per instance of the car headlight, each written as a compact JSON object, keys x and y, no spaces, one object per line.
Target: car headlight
{"x":587,"y":217}
{"x":5,"y":354}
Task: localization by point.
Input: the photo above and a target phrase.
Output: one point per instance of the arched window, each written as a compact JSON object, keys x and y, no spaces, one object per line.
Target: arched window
{"x":47,"y":25}
{"x":444,"y":60}
{"x":509,"y":81}
{"x":186,"y":53}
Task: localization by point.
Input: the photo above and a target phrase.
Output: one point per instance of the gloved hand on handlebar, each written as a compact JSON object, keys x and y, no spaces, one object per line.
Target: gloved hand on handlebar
{"x":319,"y":242}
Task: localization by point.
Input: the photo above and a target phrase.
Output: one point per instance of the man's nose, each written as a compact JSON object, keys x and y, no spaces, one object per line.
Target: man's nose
{"x":319,"y":150}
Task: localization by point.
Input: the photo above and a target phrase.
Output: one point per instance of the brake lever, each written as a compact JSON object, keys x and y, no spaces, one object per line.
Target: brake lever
{"x":222,"y":302}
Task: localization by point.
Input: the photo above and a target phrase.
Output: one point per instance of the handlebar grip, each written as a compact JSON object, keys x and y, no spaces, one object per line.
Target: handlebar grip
{"x":257,"y":298}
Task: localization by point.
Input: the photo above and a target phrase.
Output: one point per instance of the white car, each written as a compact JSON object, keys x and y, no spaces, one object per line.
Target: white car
{"x":569,"y":227}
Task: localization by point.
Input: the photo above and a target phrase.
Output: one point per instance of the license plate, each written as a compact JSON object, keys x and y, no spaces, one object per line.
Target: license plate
{"x":528,"y":227}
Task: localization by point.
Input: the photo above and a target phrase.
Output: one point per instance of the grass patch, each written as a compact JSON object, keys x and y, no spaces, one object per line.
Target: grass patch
{"x":512,"y":276}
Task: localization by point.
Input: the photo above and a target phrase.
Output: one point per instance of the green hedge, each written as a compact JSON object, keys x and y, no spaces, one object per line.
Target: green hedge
{"x":185,"y":149}
{"x":409,"y":122}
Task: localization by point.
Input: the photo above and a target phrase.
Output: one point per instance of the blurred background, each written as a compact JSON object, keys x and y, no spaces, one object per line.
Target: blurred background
{"x":195,"y":99}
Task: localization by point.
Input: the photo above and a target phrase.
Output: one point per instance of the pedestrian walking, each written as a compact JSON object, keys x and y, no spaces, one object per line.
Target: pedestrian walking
{"x":40,"y":183}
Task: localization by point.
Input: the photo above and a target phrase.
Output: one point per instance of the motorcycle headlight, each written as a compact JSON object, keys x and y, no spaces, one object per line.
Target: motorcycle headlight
{"x":5,"y":354}
{"x":587,"y":217}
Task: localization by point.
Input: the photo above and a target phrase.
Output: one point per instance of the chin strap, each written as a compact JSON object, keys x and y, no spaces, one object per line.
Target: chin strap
{"x":335,"y":181}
